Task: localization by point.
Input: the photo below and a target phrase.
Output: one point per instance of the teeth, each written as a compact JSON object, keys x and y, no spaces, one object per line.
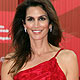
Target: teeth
{"x":36,"y":31}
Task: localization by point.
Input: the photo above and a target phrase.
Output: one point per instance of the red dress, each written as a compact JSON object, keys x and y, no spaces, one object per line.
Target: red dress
{"x":48,"y":70}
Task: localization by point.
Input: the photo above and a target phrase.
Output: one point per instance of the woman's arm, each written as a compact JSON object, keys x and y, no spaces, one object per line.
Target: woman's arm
{"x":4,"y":71}
{"x":72,"y":66}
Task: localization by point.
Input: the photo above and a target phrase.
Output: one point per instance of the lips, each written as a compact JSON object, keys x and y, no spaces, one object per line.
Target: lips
{"x":36,"y":31}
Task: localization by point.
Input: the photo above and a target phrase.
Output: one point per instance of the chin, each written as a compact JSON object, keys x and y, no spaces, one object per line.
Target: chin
{"x":37,"y":38}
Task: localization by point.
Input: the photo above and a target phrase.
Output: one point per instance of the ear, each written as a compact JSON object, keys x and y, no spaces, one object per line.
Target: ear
{"x":25,"y":29}
{"x":24,"y":24}
{"x":50,"y":26}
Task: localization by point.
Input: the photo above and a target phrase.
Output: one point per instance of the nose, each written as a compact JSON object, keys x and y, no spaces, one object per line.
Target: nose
{"x":36,"y":23}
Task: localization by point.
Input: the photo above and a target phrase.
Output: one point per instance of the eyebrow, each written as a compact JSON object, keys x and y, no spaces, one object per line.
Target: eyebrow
{"x":39,"y":16}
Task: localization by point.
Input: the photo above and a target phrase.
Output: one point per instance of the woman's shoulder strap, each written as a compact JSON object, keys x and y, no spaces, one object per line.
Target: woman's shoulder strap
{"x":58,"y":52}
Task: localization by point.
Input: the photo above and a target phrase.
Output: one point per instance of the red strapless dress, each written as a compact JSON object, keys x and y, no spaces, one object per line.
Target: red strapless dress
{"x":48,"y":70}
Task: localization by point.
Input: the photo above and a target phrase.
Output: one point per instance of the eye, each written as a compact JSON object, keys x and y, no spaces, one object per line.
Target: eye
{"x":42,"y":18}
{"x":30,"y":19}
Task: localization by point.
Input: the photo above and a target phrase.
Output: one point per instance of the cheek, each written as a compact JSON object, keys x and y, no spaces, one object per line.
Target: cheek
{"x":28,"y":25}
{"x":44,"y":24}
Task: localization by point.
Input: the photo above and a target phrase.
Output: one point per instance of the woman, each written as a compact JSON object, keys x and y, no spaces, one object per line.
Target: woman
{"x":36,"y":37}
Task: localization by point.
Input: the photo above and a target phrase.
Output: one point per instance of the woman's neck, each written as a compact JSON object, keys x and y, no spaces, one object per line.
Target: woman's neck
{"x":40,"y":46}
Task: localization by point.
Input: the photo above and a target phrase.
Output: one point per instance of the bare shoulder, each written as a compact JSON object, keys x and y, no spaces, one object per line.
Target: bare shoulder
{"x":6,"y":60}
{"x":9,"y":55}
{"x":6,"y":65}
{"x":68,"y":55}
{"x":70,"y":60}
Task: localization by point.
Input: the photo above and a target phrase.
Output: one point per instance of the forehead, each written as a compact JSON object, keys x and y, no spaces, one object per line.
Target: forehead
{"x":35,"y":11}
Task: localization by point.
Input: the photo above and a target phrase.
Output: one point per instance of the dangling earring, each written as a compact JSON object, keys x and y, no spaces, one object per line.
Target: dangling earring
{"x":25,"y":29}
{"x":51,"y":29}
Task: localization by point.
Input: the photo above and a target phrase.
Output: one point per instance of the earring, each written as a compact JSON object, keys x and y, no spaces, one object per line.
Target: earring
{"x":51,"y":29}
{"x":25,"y":29}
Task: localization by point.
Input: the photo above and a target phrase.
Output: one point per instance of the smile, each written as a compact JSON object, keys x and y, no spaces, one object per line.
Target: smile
{"x":36,"y":31}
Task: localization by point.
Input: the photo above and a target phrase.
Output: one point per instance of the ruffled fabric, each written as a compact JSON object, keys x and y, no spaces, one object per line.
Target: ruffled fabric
{"x":48,"y":70}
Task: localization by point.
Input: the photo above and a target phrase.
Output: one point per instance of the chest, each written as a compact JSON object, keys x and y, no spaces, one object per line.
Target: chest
{"x":36,"y":60}
{"x":47,"y":70}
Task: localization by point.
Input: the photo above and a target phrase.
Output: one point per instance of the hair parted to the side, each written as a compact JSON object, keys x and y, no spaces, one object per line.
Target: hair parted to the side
{"x":21,"y":41}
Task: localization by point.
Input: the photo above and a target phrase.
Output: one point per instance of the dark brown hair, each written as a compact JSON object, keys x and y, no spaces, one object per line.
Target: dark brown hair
{"x":21,"y":41}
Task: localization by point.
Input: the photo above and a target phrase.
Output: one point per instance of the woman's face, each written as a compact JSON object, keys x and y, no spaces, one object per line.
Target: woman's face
{"x":36,"y":23}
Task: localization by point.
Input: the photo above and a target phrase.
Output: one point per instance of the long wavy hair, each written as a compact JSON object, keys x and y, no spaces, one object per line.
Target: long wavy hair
{"x":21,"y":40}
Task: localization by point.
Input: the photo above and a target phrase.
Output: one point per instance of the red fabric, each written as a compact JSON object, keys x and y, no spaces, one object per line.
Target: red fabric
{"x":48,"y":70}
